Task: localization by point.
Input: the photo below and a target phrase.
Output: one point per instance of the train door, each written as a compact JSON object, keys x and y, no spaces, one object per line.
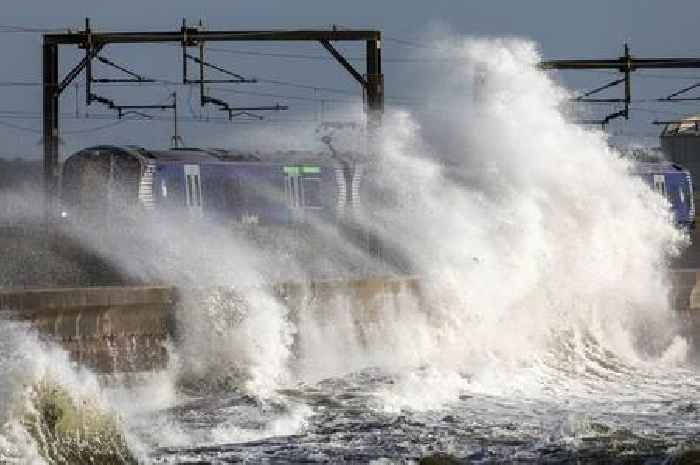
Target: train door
{"x":95,"y":183}
{"x":294,"y":193}
{"x":660,"y":184}
{"x":311,"y":188}
{"x":193,"y":190}
{"x":95,"y":186}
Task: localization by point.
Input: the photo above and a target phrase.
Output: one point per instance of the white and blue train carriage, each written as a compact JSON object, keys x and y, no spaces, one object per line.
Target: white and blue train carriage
{"x":674,"y":183}
{"x":276,"y":188}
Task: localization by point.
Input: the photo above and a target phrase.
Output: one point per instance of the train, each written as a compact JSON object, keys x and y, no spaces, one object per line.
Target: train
{"x":274,"y":188}
{"x":674,"y":183}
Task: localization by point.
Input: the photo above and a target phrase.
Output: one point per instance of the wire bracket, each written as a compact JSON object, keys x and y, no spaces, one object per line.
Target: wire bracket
{"x":672,"y":97}
{"x":241,"y":111}
{"x":205,"y":99}
{"x":137,"y":78}
{"x":123,"y":110}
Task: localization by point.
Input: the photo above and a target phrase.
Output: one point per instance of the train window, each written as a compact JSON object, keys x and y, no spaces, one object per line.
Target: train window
{"x":660,"y":184}
{"x":312,"y":192}
{"x":197,"y":191}
{"x":294,"y":195}
{"x":190,"y":193}
{"x":234,"y":193}
{"x":193,"y":187}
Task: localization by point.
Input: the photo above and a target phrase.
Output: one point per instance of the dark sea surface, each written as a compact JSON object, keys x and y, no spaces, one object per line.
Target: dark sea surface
{"x":609,"y":415}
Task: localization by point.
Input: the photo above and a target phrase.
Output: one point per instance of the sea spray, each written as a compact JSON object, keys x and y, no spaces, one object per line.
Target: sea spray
{"x":51,"y":412}
{"x":522,"y":228}
{"x":229,"y":330}
{"x":234,"y":338}
{"x":521,"y":224}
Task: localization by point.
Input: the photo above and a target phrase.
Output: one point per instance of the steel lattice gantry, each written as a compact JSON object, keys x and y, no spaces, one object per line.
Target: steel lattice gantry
{"x":92,"y":42}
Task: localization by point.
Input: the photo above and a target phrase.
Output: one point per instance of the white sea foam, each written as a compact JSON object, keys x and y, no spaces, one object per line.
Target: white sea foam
{"x":45,"y":399}
{"x":524,"y":228}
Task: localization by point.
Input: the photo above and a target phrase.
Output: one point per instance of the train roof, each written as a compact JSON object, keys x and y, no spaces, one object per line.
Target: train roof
{"x":661,"y":166}
{"x":216,"y":155}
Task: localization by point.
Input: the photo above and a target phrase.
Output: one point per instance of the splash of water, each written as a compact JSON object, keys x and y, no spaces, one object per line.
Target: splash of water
{"x":542,"y":259}
{"x":51,"y":412}
{"x":525,"y":229}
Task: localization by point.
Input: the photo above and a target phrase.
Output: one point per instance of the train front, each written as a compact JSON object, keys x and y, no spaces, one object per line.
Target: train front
{"x":100,"y":184}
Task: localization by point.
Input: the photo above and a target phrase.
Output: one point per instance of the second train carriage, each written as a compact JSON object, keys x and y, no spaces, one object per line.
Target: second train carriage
{"x":277,"y":188}
{"x":674,"y":183}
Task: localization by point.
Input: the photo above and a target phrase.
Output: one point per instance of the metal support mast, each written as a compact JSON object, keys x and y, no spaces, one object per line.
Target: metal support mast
{"x":51,"y":135}
{"x":175,"y":140}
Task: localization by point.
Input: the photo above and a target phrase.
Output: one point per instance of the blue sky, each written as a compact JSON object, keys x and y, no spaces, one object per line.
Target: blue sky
{"x":309,"y":81}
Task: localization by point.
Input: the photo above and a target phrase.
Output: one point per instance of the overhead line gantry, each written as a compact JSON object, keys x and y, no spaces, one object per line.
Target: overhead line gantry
{"x":625,"y":64}
{"x":372,"y":81}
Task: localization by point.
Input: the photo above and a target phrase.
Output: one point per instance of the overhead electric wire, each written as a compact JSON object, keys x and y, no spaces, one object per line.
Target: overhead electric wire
{"x":19,"y":115}
{"x":219,"y":121}
{"x":282,"y":96}
{"x":410,"y":43}
{"x":16,"y":29}
{"x":652,"y":110}
{"x":165,"y":83}
{"x":307,"y":86}
{"x":275,"y":54}
{"x":98,"y":128}
{"x":312,"y":99}
{"x":19,"y":84}
{"x":19,"y":128}
{"x":301,"y":56}
{"x":638,"y":74}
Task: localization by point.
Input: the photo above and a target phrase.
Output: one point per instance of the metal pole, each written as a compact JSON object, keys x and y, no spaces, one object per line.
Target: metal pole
{"x":374,"y":89}
{"x":184,"y":51}
{"x":88,"y":64}
{"x":628,"y":86}
{"x":375,"y":85}
{"x":50,"y":127}
{"x":176,"y":138}
{"x":201,"y":69}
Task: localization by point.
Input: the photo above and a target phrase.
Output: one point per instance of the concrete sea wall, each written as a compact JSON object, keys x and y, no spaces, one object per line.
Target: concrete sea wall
{"x":120,"y":329}
{"x":116,"y":329}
